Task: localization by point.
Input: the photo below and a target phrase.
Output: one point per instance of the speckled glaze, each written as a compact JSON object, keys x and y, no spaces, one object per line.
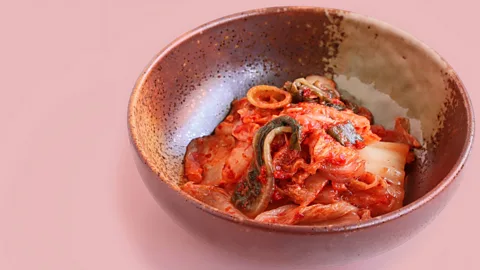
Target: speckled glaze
{"x":186,"y":91}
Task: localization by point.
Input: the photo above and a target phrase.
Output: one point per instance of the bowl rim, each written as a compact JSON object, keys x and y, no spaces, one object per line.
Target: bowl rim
{"x":296,"y":229}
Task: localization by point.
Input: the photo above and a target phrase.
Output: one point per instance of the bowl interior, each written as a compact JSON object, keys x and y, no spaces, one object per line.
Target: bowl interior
{"x":187,"y":89}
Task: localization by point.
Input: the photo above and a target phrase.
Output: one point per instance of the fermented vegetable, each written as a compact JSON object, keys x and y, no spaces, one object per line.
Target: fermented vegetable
{"x":304,"y":154}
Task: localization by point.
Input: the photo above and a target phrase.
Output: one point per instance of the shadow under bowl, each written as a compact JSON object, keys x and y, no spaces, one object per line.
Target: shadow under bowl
{"x":187,"y":89}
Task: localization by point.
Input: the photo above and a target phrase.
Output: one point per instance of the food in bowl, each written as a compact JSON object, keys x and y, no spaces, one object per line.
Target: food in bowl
{"x":302,"y":154}
{"x":184,"y":93}
{"x":186,"y":89}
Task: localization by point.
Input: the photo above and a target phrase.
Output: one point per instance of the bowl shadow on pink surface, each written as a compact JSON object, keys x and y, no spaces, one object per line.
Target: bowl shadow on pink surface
{"x":154,"y":235}
{"x":159,"y":238}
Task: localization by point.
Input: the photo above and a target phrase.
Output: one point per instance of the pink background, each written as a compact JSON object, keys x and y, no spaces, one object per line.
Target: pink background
{"x":70,"y":196}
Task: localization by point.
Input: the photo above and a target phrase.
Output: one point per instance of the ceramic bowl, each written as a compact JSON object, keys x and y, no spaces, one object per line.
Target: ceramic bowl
{"x":187,"y":88}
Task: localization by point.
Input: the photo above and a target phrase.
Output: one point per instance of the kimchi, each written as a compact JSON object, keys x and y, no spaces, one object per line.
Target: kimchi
{"x":300,"y":154}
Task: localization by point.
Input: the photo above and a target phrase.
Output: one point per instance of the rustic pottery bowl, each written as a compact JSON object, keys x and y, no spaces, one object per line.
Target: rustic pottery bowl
{"x":186,"y":91}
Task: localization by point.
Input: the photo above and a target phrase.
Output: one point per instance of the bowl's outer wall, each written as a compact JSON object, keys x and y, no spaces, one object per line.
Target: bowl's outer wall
{"x":187,"y":91}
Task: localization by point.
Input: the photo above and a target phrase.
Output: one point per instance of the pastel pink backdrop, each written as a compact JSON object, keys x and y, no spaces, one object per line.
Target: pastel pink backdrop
{"x":70,"y":196}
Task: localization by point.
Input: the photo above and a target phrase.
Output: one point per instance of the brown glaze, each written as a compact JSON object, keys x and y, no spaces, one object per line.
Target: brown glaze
{"x":186,"y":91}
